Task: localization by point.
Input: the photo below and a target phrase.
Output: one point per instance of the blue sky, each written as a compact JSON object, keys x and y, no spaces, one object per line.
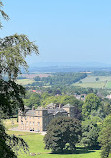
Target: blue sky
{"x":64,"y":30}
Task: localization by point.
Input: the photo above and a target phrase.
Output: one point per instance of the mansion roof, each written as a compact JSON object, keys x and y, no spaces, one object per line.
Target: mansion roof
{"x":67,"y":106}
{"x":54,"y":111}
{"x":50,"y":111}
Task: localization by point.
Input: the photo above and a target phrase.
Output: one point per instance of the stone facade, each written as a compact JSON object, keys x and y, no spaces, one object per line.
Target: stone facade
{"x":38,"y":119}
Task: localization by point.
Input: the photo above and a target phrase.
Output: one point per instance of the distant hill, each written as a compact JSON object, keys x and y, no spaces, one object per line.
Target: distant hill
{"x":52,"y":69}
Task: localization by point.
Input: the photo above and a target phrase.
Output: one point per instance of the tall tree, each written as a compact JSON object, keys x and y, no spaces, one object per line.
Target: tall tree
{"x":90,"y":133}
{"x":92,"y":103}
{"x":61,"y":132}
{"x":13,"y":50}
{"x":105,"y":137}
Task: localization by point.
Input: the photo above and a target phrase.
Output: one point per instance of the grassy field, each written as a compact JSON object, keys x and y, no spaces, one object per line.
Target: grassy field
{"x":90,"y":81}
{"x":25,"y":81}
{"x":36,"y":145}
{"x":108,"y":85}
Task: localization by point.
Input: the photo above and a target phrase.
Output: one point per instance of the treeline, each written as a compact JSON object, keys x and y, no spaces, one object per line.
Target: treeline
{"x":66,"y":89}
{"x":34,"y":99}
{"x":21,"y":77}
{"x":101,"y":73}
{"x":60,"y":78}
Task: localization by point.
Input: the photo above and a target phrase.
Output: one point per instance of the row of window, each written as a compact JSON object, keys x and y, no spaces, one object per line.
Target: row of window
{"x":31,"y":123}
{"x":29,"y":117}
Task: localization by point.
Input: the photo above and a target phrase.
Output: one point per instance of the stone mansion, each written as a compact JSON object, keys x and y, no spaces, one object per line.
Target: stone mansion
{"x":38,"y":119}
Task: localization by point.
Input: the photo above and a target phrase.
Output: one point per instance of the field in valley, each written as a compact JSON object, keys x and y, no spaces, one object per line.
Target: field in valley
{"x":103,"y":82}
{"x":24,"y":82}
{"x":29,"y":78}
{"x":36,"y":145}
{"x":90,"y":81}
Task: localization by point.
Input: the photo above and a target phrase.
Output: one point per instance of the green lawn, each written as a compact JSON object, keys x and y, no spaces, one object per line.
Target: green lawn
{"x":36,"y":145}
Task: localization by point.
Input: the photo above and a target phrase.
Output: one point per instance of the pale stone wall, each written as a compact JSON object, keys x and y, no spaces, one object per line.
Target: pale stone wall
{"x":41,"y":119}
{"x":70,"y":111}
{"x":30,"y":123}
{"x":67,"y":109}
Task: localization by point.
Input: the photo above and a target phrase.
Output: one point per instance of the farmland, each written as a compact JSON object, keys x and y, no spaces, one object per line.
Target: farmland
{"x":24,"y":82}
{"x":90,"y":81}
{"x":31,"y":76}
{"x":26,"y":79}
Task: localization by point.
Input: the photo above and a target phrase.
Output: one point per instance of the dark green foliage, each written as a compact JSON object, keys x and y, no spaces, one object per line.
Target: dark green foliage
{"x":92,"y":103}
{"x":63,"y":133}
{"x":61,"y":78}
{"x":90,"y":132}
{"x":37,"y":83}
{"x":106,"y":105}
{"x":105,"y":137}
{"x":9,"y":145}
{"x":97,"y":79}
{"x":10,"y":96}
{"x":13,"y":50}
{"x":54,"y":91}
{"x":63,"y":88}
{"x":37,"y":78}
{"x":32,"y":99}
{"x":62,"y":99}
{"x":93,"y":113}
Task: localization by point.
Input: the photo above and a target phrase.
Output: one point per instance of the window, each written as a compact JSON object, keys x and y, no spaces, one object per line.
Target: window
{"x":38,"y":123}
{"x":38,"y":112}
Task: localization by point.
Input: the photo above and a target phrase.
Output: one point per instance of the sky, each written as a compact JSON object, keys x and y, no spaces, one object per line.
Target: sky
{"x":76,"y":31}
